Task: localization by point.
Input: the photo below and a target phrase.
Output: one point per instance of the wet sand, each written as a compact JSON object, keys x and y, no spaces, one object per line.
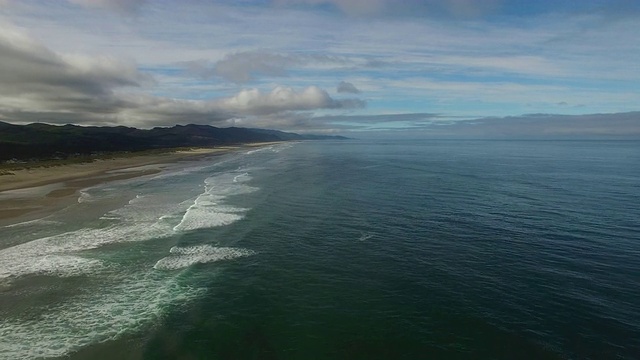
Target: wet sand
{"x":26,"y":194}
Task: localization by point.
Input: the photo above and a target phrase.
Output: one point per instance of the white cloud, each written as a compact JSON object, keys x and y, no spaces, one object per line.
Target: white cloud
{"x":285,"y":99}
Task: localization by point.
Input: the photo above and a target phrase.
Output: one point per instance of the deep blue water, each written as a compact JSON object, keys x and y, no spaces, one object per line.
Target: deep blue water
{"x":341,"y":250}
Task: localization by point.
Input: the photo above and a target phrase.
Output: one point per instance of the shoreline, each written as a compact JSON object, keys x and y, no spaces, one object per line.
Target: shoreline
{"x":32,"y":193}
{"x":41,"y":174}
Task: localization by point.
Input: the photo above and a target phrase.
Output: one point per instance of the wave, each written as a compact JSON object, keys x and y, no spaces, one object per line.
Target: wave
{"x":276,"y":148}
{"x":53,"y":264}
{"x":261,"y":149}
{"x":365,"y":236}
{"x":140,"y":220}
{"x":128,"y":306}
{"x":241,"y":178}
{"x":210,"y":209}
{"x":202,"y":219}
{"x":182,"y":257}
{"x":41,"y":221}
{"x":84,"y":197}
{"x":113,"y":297}
{"x":58,"y":254}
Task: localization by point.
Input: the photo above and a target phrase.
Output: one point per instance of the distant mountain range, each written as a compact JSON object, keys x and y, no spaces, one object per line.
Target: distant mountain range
{"x":48,"y":141}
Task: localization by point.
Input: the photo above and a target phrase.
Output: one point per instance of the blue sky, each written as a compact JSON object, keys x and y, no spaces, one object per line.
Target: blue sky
{"x":278,"y":63}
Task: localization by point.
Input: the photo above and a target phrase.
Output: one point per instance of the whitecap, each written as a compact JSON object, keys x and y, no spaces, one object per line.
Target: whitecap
{"x":35,"y":222}
{"x":241,"y":178}
{"x":84,"y":197}
{"x":365,"y":236}
{"x":181,"y":257}
{"x":128,"y":306}
{"x":64,"y":265}
{"x":209,"y":209}
{"x":46,"y":254}
{"x":259,"y":150}
{"x":202,"y":218}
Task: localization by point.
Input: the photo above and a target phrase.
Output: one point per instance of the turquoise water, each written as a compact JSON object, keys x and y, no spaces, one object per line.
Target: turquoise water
{"x":340,"y":250}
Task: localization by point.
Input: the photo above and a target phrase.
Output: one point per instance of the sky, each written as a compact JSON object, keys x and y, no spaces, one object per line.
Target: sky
{"x":423,"y":68}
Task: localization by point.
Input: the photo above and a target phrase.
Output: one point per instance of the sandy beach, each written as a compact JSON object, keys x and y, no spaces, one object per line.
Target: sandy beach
{"x":30,"y":193}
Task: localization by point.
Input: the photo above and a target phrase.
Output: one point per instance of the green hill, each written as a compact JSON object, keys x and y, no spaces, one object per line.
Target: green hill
{"x":43,"y":141}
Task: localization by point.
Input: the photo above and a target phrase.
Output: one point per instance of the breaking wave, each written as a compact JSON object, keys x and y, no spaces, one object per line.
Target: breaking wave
{"x":181,"y":257}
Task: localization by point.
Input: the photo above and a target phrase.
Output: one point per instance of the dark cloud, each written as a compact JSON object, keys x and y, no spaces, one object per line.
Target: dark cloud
{"x":347,"y":87}
{"x":62,"y":88}
{"x":28,"y":67}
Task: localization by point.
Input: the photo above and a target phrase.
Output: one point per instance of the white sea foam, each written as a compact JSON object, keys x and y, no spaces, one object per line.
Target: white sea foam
{"x":137,"y":221}
{"x":36,"y":222}
{"x":241,"y":178}
{"x":65,"y":265}
{"x":182,"y":257}
{"x":145,"y":217}
{"x":49,"y":264}
{"x":84,"y":197}
{"x":209,"y":209}
{"x":147,"y":209}
{"x":132,"y":304}
{"x":365,"y":236}
{"x":136,"y":169}
{"x":137,"y":199}
{"x":260,"y":149}
{"x":59,"y":252}
{"x":198,"y":218}
{"x":120,"y":300}
{"x":283,"y":146}
{"x":276,"y":148}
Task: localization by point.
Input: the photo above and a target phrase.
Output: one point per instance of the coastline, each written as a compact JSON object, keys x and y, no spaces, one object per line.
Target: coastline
{"x":30,"y":193}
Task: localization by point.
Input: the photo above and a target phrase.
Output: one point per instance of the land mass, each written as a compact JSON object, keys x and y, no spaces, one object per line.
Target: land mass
{"x":43,"y":141}
{"x":43,"y":167}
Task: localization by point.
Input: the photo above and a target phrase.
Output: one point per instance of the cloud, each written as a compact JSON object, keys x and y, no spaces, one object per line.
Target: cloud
{"x":386,"y":118}
{"x":542,"y":126}
{"x":441,"y":126}
{"x":351,"y":7}
{"x":282,"y":99}
{"x":455,"y":8}
{"x":126,"y":7}
{"x":37,"y":84}
{"x":347,"y":87}
{"x":244,"y":66}
{"x":34,"y":79}
{"x":250,"y":107}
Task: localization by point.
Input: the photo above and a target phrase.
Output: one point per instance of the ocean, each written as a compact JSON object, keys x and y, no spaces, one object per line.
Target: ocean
{"x":353,"y":249}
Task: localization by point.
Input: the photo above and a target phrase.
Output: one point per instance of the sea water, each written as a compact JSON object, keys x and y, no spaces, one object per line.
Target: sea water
{"x":340,"y":250}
